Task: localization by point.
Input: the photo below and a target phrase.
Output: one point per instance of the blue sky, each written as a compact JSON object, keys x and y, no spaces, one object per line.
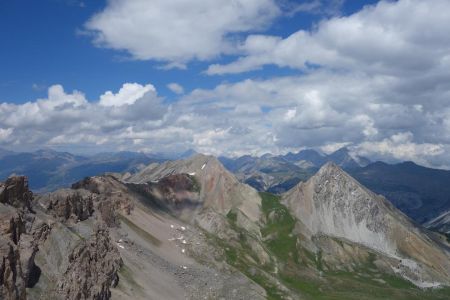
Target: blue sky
{"x":42,"y":46}
{"x":227,"y":77}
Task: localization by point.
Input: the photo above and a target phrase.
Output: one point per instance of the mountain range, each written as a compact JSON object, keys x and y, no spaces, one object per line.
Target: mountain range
{"x":189,"y":229}
{"x":419,"y":192}
{"x":48,"y":170}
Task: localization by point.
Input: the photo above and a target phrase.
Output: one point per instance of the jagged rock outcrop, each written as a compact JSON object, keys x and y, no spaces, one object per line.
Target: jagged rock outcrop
{"x":69,"y":204}
{"x":78,"y":259}
{"x":12,"y":279}
{"x":112,"y":193}
{"x":15,"y":192}
{"x":55,"y":247}
{"x":17,"y":246}
{"x":332,"y":203}
{"x":92,"y":268}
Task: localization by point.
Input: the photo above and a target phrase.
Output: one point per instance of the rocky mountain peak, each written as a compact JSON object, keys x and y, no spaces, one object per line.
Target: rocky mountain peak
{"x":333,"y":174}
{"x":334,"y":204}
{"x":330,"y":168}
{"x":219,"y":189}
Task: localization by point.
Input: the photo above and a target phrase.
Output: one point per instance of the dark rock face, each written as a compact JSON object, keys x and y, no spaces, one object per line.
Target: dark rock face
{"x":92,"y":261}
{"x":69,"y":204}
{"x":93,"y":267}
{"x":173,"y":193}
{"x":17,"y":248}
{"x":111,"y":194}
{"x":15,"y":192}
{"x":177,"y":189}
{"x":12,"y":281}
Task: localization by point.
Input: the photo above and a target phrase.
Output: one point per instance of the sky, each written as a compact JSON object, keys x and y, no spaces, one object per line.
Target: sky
{"x":227,"y":77}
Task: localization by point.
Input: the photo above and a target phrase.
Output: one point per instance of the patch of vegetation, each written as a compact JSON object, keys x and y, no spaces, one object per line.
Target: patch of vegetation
{"x":397,"y":282}
{"x":307,"y":287}
{"x":272,"y":292}
{"x":139,"y":231}
{"x":232,"y":216}
{"x":279,"y":227}
{"x":236,"y":256}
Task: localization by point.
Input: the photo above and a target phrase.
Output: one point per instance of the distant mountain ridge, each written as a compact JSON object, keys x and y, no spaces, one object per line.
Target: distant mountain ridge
{"x":49,"y":169}
{"x":421,"y":193}
{"x":277,"y":174}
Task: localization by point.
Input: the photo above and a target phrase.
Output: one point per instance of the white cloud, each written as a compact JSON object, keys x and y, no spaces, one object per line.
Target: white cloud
{"x":401,"y":146}
{"x":392,"y":38}
{"x":5,"y":133}
{"x":66,"y":119}
{"x":252,"y":116}
{"x":176,"y":88}
{"x":178,"y":31}
{"x":128,"y":94}
{"x":330,"y":148}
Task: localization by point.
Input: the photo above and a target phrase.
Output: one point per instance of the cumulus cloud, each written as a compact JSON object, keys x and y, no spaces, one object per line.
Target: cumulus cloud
{"x":128,"y":94}
{"x":176,"y":88}
{"x":252,"y":116}
{"x":178,"y":31}
{"x":391,"y":37}
{"x":65,"y":119}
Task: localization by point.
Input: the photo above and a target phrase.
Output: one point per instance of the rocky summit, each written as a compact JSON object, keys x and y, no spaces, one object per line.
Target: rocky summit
{"x":188,"y":229}
{"x":334,"y":204}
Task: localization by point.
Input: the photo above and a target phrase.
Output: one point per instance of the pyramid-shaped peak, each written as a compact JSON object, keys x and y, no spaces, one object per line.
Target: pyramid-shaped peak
{"x":204,"y":159}
{"x":331,"y":174}
{"x":330,"y":168}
